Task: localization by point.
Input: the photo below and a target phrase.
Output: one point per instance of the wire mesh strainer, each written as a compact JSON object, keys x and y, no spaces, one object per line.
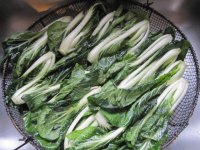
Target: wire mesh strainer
{"x":184,"y":110}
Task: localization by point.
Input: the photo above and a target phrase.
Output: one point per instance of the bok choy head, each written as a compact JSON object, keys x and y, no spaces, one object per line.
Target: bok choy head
{"x":163,"y":109}
{"x":67,"y":44}
{"x":44,"y":63}
{"x":113,"y":43}
{"x":30,"y":41}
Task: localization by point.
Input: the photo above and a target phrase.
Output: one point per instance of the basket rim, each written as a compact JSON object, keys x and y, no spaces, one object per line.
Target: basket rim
{"x":145,"y":6}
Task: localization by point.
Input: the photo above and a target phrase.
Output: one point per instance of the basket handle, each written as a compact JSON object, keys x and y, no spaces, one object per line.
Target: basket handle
{"x":26,"y":140}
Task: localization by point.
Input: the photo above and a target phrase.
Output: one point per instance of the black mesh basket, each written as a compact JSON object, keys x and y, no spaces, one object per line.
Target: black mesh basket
{"x":184,"y":110}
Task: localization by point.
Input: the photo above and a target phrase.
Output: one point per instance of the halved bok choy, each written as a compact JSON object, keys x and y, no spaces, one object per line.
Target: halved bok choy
{"x":113,"y":43}
{"x":166,"y":103}
{"x":67,"y":44}
{"x":47,"y":61}
{"x":28,"y":44}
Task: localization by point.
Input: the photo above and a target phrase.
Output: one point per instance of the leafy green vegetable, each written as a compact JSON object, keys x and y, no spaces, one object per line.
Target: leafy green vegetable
{"x":125,"y":117}
{"x":55,"y":33}
{"x":80,"y":136}
{"x":100,"y":80}
{"x":29,"y":55}
{"x":14,"y":45}
{"x":67,"y":44}
{"x":47,"y":60}
{"x":96,"y":141}
{"x":163,"y":107}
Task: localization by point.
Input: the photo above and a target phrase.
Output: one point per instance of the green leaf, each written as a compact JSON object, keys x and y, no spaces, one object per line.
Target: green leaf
{"x":96,"y":140}
{"x":138,"y":109}
{"x":14,"y":45}
{"x":57,"y":122}
{"x":78,"y":136}
{"x":152,"y":124}
{"x":78,"y":74}
{"x":112,"y":97}
{"x":28,"y":56}
{"x":131,"y":135}
{"x":79,"y":84}
{"x":170,"y":30}
{"x":19,"y":37}
{"x":126,"y":70}
{"x":55,"y":35}
{"x":184,"y":45}
{"x":50,"y":145}
{"x":30,"y":122}
{"x":112,"y":49}
{"x":39,"y":97}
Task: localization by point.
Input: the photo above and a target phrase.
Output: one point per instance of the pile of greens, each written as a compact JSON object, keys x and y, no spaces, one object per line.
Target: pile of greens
{"x":100,"y":80}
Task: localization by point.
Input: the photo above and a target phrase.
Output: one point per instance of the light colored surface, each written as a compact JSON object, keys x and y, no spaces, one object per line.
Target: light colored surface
{"x":175,"y":10}
{"x":183,"y":17}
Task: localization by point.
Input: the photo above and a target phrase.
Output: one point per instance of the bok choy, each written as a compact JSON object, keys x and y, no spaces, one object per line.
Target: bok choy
{"x":101,"y":80}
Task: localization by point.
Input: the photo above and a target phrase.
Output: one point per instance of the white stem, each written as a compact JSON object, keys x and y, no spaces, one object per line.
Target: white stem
{"x":77,"y":38}
{"x":139,"y":32}
{"x":138,"y":70}
{"x":131,"y":80}
{"x":102,"y":121}
{"x":77,"y":119}
{"x":41,"y":41}
{"x":164,"y":96}
{"x":168,"y":56}
{"x":103,"y":30}
{"x":158,"y":44}
{"x":16,"y":98}
{"x":170,"y":89}
{"x":94,"y":124}
{"x":86,"y":123}
{"x":52,"y":88}
{"x":83,"y":101}
{"x":103,"y":21}
{"x":66,"y":44}
{"x":32,"y":89}
{"x":138,"y":39}
{"x":50,"y":60}
{"x":127,"y":33}
{"x":83,"y":125}
{"x":170,"y":67}
{"x":180,"y":88}
{"x":142,"y":40}
{"x":93,"y":56}
{"x":181,"y":93}
{"x":65,"y":19}
{"x":74,"y":22}
{"x":114,"y":134}
{"x":36,"y":46}
{"x":181,"y":65}
{"x":139,"y":35}
{"x":145,"y":145}
{"x":42,"y":59}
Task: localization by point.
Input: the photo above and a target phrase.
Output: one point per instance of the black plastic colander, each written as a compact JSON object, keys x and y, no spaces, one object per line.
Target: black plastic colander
{"x":184,"y":110}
